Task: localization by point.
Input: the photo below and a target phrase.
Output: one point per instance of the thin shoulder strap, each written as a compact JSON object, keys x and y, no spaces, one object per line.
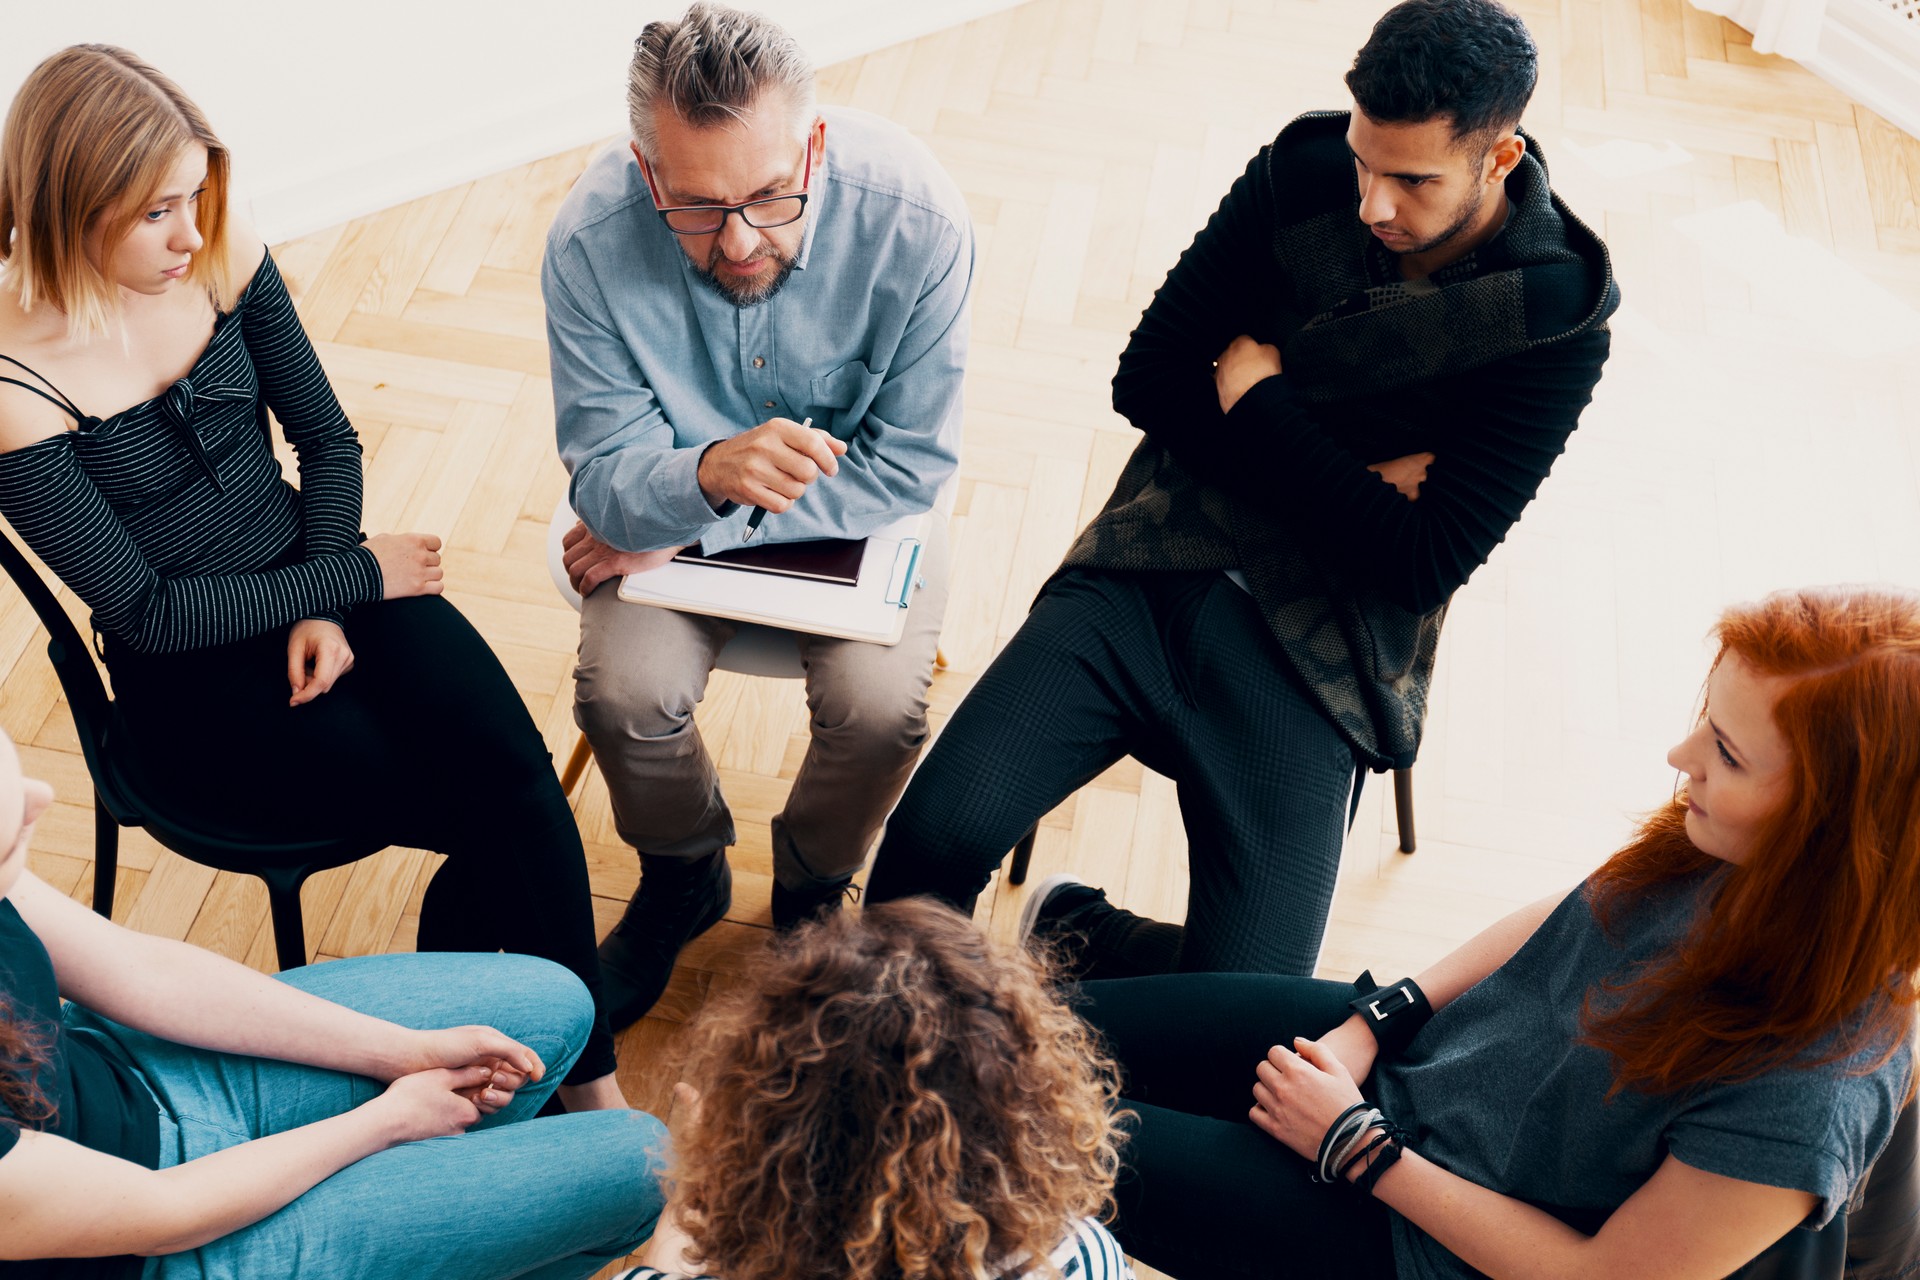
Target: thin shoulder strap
{"x":58,"y":397}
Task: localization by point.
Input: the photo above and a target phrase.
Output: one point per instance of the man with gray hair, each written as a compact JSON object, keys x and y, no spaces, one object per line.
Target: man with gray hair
{"x":710,"y":290}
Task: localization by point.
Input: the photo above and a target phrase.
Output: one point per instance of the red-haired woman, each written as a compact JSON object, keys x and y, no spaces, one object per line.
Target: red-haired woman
{"x":1658,"y":1075}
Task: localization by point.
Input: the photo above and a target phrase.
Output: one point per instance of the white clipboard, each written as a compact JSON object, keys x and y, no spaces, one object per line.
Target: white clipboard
{"x":873,"y":609}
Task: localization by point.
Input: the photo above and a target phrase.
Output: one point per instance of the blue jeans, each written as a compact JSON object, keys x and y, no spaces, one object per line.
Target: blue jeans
{"x":555,"y":1198}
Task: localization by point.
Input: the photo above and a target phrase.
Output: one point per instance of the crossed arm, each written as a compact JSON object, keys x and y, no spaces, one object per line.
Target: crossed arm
{"x":1682,"y":1224}
{"x":1503,"y":425}
{"x":60,"y":1199}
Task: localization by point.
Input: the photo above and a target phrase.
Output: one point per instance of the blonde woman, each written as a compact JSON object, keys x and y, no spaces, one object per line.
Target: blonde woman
{"x":893,"y":1097}
{"x":274,"y":673}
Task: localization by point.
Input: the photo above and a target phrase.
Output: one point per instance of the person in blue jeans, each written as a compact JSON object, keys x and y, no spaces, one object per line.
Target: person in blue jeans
{"x":185,"y":1116}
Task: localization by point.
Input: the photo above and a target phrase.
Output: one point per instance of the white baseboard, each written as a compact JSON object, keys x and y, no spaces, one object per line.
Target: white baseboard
{"x":1873,"y":56}
{"x":417,"y":168}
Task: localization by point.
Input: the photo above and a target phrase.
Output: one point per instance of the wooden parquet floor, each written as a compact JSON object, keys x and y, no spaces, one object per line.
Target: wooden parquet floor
{"x":1755,"y":428}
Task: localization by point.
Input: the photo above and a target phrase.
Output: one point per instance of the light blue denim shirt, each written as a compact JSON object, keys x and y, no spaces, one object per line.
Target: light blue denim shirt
{"x":868,"y":338}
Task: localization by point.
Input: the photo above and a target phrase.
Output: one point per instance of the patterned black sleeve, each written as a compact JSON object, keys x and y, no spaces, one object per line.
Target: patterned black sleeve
{"x":295,"y":387}
{"x":53,"y":505}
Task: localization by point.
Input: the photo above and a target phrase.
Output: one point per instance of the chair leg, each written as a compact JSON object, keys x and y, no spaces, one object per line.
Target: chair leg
{"x":1022,"y":856}
{"x":576,"y":765}
{"x":1403,"y":807}
{"x":106,"y":857}
{"x":283,"y":904}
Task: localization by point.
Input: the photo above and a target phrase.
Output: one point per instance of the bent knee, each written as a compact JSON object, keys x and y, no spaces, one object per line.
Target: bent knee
{"x":873,"y":719}
{"x":558,"y":1007}
{"x":634,"y":702}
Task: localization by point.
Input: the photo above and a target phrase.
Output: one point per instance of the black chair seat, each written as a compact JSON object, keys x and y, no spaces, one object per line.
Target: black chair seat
{"x":125,"y":797}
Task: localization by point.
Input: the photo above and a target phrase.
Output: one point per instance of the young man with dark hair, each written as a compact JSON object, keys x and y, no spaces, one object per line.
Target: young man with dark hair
{"x":1351,"y":385}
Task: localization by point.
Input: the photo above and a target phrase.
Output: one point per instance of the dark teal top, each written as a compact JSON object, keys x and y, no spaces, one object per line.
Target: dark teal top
{"x":98,"y":1100}
{"x":1499,"y":1089}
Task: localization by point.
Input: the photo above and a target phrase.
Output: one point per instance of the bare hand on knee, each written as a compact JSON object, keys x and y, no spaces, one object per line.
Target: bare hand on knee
{"x":409,"y":564}
{"x":317,"y":655}
{"x":591,"y":562}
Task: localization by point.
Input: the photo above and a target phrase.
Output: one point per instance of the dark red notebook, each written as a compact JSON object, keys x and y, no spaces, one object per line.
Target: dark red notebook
{"x":820,"y":559}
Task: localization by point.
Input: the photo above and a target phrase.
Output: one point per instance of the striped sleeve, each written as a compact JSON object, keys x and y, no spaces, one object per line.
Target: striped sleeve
{"x":1090,"y":1253}
{"x":295,"y":387}
{"x":55,"y":508}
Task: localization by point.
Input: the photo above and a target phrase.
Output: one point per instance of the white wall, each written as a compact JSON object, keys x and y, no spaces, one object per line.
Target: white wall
{"x":340,"y":108}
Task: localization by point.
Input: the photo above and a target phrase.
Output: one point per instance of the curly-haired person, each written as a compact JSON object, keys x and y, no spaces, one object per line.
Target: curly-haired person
{"x":892,"y":1097}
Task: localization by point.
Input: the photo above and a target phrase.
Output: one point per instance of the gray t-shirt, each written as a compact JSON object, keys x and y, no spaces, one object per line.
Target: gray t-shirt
{"x":1497,"y":1090}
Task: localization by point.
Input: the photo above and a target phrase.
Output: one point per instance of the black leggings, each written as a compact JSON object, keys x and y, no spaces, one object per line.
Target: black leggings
{"x":425,"y":744}
{"x":1203,"y":1192}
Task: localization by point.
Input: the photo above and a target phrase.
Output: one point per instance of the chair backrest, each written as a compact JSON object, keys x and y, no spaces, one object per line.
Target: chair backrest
{"x":1883,"y":1228}
{"x":72,"y":661}
{"x":754,"y":650}
{"x":1876,"y":1238}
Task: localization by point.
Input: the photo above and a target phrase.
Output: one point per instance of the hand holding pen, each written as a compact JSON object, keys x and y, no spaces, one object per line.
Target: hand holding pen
{"x":769,"y":466}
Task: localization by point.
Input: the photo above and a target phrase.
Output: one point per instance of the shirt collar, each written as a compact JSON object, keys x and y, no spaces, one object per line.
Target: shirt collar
{"x":816,"y":209}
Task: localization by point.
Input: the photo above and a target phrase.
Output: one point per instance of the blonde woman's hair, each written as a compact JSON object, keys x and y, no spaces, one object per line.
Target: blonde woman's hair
{"x":88,"y":142}
{"x":892,"y":1096}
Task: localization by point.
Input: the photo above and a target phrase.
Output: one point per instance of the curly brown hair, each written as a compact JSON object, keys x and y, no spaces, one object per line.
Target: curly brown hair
{"x":24,"y":1054}
{"x":891,"y":1096}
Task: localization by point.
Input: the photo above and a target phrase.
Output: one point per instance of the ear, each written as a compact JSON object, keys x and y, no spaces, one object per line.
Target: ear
{"x":819,"y":139}
{"x":646,"y":172}
{"x":1504,"y":156}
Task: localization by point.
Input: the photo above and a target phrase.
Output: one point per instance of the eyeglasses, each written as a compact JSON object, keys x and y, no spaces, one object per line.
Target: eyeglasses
{"x":706,"y":219}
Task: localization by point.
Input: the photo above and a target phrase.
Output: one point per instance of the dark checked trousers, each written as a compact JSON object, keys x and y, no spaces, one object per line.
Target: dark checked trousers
{"x":1179,"y":671}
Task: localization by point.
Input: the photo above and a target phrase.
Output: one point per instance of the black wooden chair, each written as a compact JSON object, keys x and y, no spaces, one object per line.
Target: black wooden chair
{"x":1402,"y":812}
{"x":123,"y":798}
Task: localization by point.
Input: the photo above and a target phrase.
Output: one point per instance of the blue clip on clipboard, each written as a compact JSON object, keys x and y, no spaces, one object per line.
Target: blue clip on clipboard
{"x":906,"y":573}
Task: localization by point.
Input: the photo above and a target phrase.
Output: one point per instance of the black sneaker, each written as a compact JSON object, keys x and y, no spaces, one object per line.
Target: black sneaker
{"x":794,"y":907}
{"x":1049,"y":915}
{"x":1088,"y":938}
{"x":678,"y":900}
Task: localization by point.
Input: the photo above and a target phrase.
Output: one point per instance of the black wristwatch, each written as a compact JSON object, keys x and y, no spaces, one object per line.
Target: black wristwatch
{"x":1394,"y":1013}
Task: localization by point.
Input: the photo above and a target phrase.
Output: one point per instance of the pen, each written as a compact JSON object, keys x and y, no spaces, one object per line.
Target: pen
{"x":760,"y":513}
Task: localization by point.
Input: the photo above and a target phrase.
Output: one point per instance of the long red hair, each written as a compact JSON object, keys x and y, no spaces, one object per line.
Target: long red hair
{"x":1811,"y":946}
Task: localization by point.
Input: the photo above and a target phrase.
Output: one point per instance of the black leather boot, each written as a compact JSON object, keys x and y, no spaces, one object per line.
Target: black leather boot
{"x":678,"y":900}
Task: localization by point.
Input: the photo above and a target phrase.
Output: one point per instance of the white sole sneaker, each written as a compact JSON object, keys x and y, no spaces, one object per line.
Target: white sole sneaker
{"x":1037,"y":898}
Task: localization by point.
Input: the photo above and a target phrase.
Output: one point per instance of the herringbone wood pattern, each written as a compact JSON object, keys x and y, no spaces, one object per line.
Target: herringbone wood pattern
{"x":1755,"y":429}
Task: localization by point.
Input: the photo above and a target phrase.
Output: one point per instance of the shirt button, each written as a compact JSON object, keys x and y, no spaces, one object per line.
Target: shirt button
{"x":759,"y":362}
{"x":769,"y":404}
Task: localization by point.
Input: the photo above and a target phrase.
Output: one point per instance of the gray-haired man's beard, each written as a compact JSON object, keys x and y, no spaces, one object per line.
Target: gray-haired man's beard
{"x":749,"y":293}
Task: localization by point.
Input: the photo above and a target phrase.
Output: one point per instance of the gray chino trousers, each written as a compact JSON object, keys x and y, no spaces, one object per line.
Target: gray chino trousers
{"x":643,"y":670}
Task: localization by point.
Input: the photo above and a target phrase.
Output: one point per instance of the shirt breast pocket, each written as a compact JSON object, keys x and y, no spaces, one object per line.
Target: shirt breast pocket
{"x":840,"y":399}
